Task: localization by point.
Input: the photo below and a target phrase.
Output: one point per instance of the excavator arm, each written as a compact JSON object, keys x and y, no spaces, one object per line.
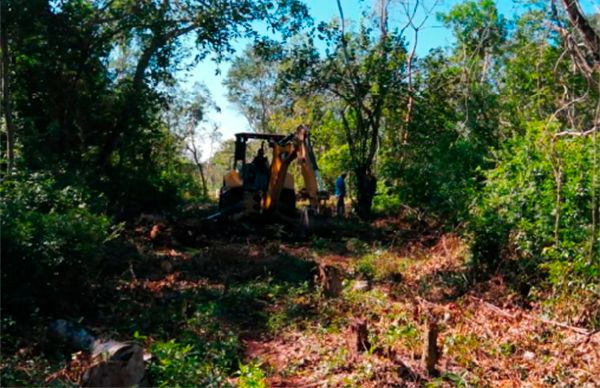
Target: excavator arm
{"x":285,"y":151}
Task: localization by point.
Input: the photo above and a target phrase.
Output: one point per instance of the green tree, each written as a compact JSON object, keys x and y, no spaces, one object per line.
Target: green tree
{"x":360,"y":71}
{"x":535,"y":218}
{"x":434,"y":161}
{"x":88,"y":119}
{"x":186,"y":117}
{"x":251,"y":85}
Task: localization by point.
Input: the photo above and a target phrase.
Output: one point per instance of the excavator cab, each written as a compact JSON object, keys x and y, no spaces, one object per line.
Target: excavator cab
{"x":263,"y":187}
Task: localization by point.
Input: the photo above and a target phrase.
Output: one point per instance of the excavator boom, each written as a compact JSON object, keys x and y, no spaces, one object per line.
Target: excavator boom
{"x":242,"y":192}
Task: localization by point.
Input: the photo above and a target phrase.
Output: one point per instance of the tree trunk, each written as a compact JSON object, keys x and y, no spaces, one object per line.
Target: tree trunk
{"x":558,"y":177}
{"x":330,"y":280}
{"x":203,"y":179}
{"x":365,"y":192}
{"x":194,"y":151}
{"x":357,"y":336}
{"x":10,"y":129}
{"x":590,"y":37}
{"x":130,"y":109}
{"x":595,"y":207}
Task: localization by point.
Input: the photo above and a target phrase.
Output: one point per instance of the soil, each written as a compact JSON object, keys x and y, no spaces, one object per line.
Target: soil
{"x":489,"y":333}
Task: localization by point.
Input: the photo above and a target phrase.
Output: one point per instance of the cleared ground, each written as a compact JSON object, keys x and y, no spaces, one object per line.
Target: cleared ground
{"x":250,"y":305}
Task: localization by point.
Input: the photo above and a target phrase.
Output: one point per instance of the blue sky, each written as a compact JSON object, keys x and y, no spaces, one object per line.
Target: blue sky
{"x":230,"y":121}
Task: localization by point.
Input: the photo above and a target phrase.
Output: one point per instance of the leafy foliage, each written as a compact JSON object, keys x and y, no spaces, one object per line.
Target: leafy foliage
{"x":539,"y":213}
{"x":251,"y":85}
{"x":251,"y":376}
{"x":51,"y":235}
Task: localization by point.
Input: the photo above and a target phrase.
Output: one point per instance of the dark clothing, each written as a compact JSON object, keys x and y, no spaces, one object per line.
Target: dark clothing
{"x":340,"y":192}
{"x":261,"y":170}
{"x":261,"y":163}
{"x":340,"y":186}
{"x":340,"y":207}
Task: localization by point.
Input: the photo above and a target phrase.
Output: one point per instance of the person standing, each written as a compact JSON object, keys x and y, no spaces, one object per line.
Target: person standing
{"x":261,"y":170}
{"x":340,"y":192}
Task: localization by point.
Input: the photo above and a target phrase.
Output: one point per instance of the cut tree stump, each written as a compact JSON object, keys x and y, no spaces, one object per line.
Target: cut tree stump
{"x":431,"y":352}
{"x":358,"y":337}
{"x":330,"y":280}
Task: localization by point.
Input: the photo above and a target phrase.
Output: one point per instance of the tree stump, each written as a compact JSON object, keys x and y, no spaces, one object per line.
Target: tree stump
{"x":330,"y":280}
{"x":431,"y":352}
{"x":358,"y":337}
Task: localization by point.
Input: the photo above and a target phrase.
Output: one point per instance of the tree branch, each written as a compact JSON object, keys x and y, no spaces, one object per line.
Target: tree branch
{"x":585,"y":133}
{"x":590,"y":38}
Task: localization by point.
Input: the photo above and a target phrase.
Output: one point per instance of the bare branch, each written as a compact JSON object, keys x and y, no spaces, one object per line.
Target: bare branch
{"x":595,"y":128}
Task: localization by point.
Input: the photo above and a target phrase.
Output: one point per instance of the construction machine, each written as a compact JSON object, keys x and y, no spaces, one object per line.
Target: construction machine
{"x":267,"y":189}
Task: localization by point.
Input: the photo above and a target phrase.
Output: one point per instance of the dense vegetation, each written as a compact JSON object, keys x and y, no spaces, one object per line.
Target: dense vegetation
{"x":493,"y":138}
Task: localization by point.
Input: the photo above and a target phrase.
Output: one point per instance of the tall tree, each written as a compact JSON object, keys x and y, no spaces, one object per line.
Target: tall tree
{"x":360,"y":71}
{"x":6,"y":97}
{"x":251,"y":86}
{"x":159,"y":28}
{"x":79,"y":115}
{"x":186,"y":116}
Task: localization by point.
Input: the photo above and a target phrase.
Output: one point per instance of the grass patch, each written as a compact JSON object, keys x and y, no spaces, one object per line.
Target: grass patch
{"x":380,"y":265}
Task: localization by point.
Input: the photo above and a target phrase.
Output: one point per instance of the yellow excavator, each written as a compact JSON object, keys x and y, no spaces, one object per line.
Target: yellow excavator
{"x":260,"y":188}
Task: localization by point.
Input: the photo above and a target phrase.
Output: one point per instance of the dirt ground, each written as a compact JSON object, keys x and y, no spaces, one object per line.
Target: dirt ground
{"x":265,"y":287}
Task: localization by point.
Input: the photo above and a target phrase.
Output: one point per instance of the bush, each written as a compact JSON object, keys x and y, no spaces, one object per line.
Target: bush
{"x":143,"y":181}
{"x":519,"y":215}
{"x":251,"y":376}
{"x":205,"y":354}
{"x":439,"y":178}
{"x":178,"y":365}
{"x":379,"y":265}
{"x":51,"y":240}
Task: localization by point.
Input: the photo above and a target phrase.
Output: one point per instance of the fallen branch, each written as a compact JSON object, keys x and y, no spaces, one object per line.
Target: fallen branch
{"x":497,"y":309}
{"x":500,"y":311}
{"x":576,"y":329}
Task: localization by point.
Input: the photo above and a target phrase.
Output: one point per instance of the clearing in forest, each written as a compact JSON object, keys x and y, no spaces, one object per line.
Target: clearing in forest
{"x":350,"y":309}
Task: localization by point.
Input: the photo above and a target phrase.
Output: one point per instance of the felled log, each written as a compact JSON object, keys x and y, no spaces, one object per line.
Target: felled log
{"x":113,"y":363}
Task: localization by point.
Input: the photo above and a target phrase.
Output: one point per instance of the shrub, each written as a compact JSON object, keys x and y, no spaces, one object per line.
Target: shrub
{"x":205,"y":353}
{"x":177,"y":365}
{"x":51,"y":240}
{"x":379,"y":265}
{"x":519,"y":214}
{"x":251,"y":376}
